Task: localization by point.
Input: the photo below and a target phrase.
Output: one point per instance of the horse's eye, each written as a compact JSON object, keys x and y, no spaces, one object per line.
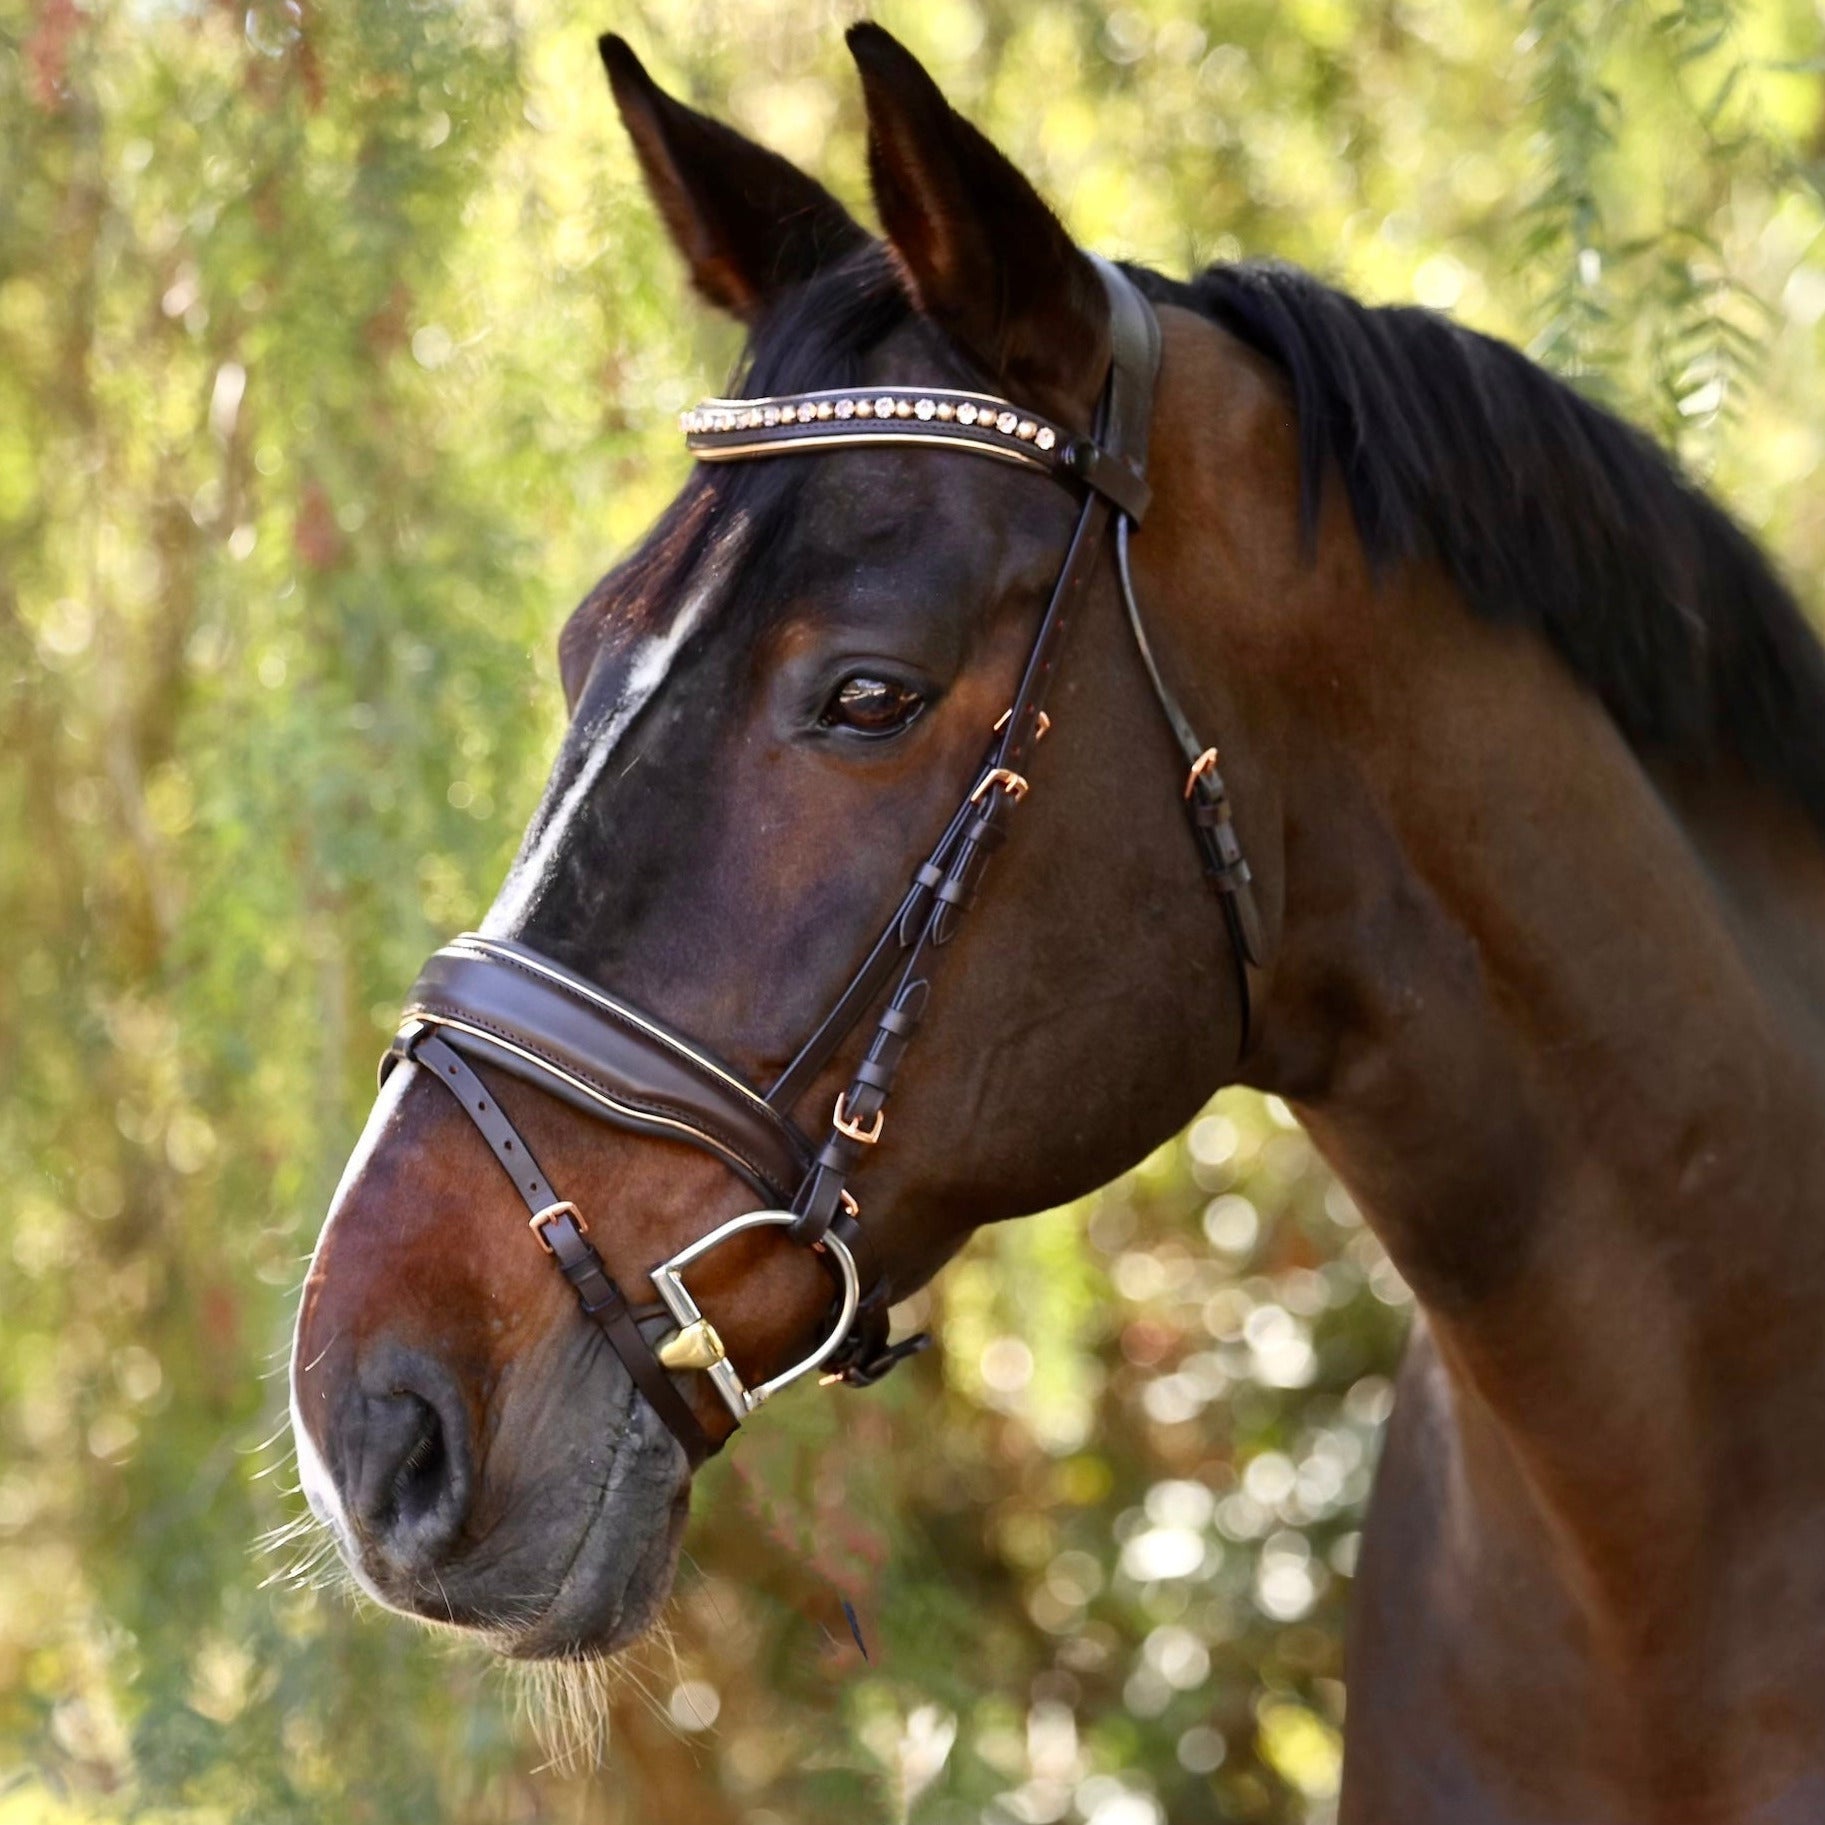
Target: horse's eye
{"x":872,"y":706}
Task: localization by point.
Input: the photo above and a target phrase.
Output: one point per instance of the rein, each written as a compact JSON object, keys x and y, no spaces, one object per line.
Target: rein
{"x":500,"y":1003}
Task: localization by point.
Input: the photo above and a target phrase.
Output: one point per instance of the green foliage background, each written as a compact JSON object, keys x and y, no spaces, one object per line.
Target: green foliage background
{"x":338,"y":355}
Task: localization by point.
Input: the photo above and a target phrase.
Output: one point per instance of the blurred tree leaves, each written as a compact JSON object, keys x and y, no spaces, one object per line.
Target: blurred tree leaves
{"x":338,"y":355}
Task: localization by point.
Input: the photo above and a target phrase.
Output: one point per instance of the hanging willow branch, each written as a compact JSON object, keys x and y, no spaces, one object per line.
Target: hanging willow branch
{"x":1687,"y":352}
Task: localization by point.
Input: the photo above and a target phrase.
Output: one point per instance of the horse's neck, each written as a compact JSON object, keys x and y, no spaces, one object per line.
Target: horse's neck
{"x":1567,"y":1048}
{"x":1765,"y":865}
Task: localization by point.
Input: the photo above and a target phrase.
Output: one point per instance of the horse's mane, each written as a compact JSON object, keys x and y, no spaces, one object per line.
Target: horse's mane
{"x":1546,"y":511}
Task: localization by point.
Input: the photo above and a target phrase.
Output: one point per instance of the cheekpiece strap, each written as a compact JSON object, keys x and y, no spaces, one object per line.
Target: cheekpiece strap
{"x":951,"y":878}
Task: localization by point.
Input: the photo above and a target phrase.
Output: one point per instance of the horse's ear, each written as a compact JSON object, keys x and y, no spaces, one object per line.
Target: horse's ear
{"x":980,"y":251}
{"x":748,"y":222}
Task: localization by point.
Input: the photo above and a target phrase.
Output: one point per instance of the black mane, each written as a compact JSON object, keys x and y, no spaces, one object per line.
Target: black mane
{"x":1546,"y":511}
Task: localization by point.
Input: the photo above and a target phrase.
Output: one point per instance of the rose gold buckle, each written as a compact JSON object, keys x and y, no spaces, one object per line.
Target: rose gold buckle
{"x":1010,"y":782}
{"x":1001,"y":722}
{"x":550,"y":1214}
{"x":1199,"y":767}
{"x":844,"y":1123}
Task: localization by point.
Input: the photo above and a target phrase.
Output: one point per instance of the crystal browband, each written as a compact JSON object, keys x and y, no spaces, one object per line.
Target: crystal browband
{"x":727,"y":430}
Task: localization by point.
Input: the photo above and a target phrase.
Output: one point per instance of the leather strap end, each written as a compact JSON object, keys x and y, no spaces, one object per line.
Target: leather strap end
{"x":1247,"y":929}
{"x":872,"y":1365}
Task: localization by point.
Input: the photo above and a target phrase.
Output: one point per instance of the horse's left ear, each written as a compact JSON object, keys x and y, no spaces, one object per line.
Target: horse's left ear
{"x":980,"y":251}
{"x":749,"y":223}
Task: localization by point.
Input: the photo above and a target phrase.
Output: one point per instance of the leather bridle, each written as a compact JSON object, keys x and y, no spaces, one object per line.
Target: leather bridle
{"x":498,"y":1002}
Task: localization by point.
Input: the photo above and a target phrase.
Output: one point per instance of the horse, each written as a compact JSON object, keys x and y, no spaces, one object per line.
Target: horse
{"x":1510,"y":883}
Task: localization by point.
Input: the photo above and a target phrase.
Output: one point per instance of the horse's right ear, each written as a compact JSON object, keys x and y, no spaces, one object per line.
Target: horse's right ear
{"x":748,"y":222}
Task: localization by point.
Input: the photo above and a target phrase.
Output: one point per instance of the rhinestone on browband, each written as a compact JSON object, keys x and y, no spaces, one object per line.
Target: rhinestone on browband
{"x":727,"y":430}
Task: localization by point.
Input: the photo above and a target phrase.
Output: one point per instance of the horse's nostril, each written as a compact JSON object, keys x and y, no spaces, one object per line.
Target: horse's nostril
{"x":418,"y":1485}
{"x":407,"y":1468}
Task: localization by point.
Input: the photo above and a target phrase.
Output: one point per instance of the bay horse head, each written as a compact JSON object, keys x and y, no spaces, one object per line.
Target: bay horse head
{"x":803,"y":715}
{"x":1536,"y":959}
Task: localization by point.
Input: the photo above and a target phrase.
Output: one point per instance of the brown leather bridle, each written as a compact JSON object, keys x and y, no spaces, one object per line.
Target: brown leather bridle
{"x":501,"y":1003}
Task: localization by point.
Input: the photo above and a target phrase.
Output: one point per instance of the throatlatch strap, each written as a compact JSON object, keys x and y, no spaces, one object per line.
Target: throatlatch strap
{"x":1206,"y":801}
{"x":559,"y":1228}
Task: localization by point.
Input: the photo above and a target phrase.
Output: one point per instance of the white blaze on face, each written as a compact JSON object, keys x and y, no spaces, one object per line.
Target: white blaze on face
{"x":651,"y":664}
{"x":539,"y":855}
